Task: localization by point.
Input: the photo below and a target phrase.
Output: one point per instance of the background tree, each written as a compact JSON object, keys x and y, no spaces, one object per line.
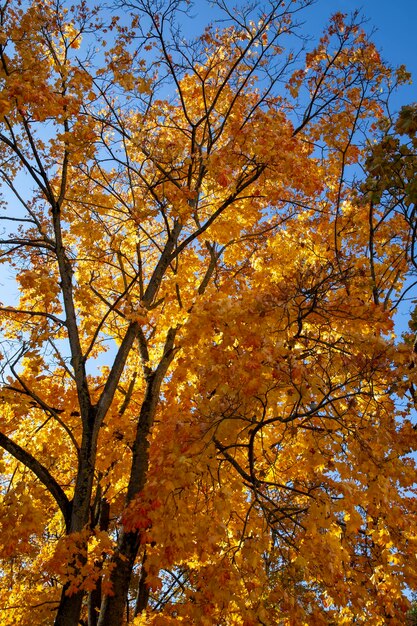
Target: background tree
{"x":199,"y":419}
{"x":412,"y":615}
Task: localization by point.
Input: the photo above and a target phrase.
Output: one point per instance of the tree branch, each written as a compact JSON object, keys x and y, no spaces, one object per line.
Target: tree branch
{"x":40,"y":472}
{"x":112,"y":381}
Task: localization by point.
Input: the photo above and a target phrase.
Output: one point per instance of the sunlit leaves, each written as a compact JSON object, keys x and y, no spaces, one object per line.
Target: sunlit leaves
{"x":200,"y":367}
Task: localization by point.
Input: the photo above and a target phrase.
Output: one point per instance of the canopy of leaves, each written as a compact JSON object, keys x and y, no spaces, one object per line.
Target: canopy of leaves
{"x":205,"y":416}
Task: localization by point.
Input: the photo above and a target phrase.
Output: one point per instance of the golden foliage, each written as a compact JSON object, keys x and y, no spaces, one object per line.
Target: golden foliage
{"x":203,"y":399}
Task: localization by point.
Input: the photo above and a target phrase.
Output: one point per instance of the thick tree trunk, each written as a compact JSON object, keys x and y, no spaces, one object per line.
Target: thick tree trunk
{"x":101,"y":520}
{"x":142,"y":596}
{"x":94,"y":603}
{"x":113,"y":607}
{"x":69,"y":609}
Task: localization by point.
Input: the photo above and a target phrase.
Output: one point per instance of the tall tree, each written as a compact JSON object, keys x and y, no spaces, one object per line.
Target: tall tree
{"x":200,"y":400}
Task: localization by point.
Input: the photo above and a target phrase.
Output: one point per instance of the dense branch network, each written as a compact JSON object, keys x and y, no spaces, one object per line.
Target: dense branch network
{"x":202,"y":402}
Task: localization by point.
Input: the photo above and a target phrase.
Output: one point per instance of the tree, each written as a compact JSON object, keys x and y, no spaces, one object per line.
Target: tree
{"x":201,"y":420}
{"x":412,"y":614}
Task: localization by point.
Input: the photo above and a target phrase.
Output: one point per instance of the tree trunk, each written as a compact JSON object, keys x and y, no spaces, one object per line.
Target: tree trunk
{"x":102,"y":521}
{"x":142,"y":597}
{"x":69,"y":609}
{"x":112,"y":607}
{"x":94,"y":603}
